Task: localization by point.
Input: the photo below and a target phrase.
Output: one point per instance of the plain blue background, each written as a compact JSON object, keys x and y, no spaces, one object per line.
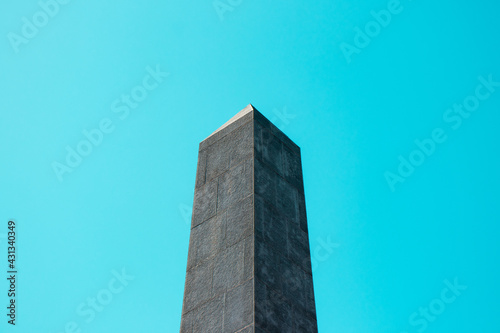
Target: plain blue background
{"x":128,"y":204}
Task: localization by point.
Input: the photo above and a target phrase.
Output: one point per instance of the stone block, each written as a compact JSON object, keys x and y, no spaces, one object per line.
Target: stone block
{"x":205,"y":203}
{"x":267,"y":264}
{"x":187,"y":322}
{"x":305,"y":323}
{"x":273,"y":312}
{"x":268,"y":148}
{"x":235,"y":185}
{"x":285,"y":139}
{"x":239,"y":307}
{"x":293,"y":282}
{"x":239,"y":222}
{"x":248,"y":329}
{"x":201,"y":169}
{"x":292,"y":168}
{"x":298,"y":248}
{"x":206,"y":240}
{"x":288,"y":201}
{"x":270,"y":225}
{"x":217,"y":160}
{"x":236,"y":124}
{"x":298,"y":289}
{"x":229,"y":267}
{"x":210,"y":316}
{"x":198,"y":287}
{"x":209,"y":141}
{"x":262,"y":121}
{"x":232,"y":266}
{"x":265,"y":123}
{"x":266,"y":182}
{"x":309,"y":295}
{"x":239,"y":144}
{"x":302,"y":213}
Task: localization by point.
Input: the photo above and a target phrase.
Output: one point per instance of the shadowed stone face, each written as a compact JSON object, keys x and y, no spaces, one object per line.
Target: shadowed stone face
{"x":249,"y":267}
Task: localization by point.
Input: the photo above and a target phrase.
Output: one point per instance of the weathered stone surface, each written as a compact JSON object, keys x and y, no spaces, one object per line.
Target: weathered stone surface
{"x":198,"y":288}
{"x":239,"y":144}
{"x":298,"y":248}
{"x":187,"y":322}
{"x":265,"y":123}
{"x":293,"y":282}
{"x":304,"y":323}
{"x":201,"y":170}
{"x":248,"y":329}
{"x":239,"y":307}
{"x":288,"y":201}
{"x":292,"y":168}
{"x":302,"y":213}
{"x":217,"y":160}
{"x":249,"y":265}
{"x":268,"y":264}
{"x":233,"y":126}
{"x":310,"y":305}
{"x":268,"y":148}
{"x":210,"y":316}
{"x":273,"y":312}
{"x":207,"y":239}
{"x":209,"y":141}
{"x":266,"y":182}
{"x":239,"y":221}
{"x":285,"y":139}
{"x":242,"y":117}
{"x":205,"y":203}
{"x":235,"y":184}
{"x":261,"y":120}
{"x":230,"y":269}
{"x":270,"y":225}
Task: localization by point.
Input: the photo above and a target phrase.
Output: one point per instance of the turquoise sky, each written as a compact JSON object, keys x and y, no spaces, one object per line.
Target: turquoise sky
{"x":404,"y":234}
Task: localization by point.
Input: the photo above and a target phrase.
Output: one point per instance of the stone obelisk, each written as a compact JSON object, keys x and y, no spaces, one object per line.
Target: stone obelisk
{"x":249,"y":267}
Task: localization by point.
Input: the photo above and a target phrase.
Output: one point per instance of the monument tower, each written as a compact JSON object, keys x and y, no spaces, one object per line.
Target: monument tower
{"x":249,"y":267}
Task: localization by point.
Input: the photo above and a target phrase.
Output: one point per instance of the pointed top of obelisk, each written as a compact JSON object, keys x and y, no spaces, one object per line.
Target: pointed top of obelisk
{"x":249,"y":112}
{"x":249,"y":108}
